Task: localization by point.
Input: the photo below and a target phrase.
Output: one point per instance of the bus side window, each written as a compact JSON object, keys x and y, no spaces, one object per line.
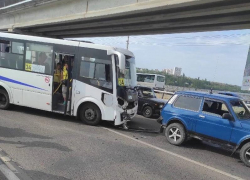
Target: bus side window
{"x":11,"y":54}
{"x":99,"y":72}
{"x":38,"y":58}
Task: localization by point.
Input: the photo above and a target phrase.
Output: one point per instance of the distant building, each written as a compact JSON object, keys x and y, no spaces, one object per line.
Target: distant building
{"x":177,"y":71}
{"x":169,"y":71}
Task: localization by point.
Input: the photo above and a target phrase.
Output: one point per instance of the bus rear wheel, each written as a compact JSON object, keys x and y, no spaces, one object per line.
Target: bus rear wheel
{"x":90,"y":114}
{"x":4,"y":99}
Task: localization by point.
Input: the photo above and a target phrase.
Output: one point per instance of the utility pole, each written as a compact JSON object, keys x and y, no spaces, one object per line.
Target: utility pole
{"x":128,"y":42}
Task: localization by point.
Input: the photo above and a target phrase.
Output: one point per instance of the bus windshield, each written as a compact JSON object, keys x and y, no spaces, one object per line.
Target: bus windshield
{"x":145,"y":78}
{"x":160,"y":78}
{"x":125,"y":76}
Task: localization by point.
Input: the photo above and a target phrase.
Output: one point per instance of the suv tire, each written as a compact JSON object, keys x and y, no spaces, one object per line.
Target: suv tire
{"x":175,"y":134}
{"x":245,"y":154}
{"x":4,"y":99}
{"x":147,"y":112}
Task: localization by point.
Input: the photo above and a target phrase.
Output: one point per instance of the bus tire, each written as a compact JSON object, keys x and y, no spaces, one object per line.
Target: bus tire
{"x":90,"y":114}
{"x":4,"y":99}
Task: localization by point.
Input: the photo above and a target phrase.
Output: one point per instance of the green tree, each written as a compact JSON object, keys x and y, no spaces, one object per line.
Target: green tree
{"x":196,"y":83}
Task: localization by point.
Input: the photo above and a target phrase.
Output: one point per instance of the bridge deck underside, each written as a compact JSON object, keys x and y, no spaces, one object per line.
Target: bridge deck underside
{"x":213,"y":15}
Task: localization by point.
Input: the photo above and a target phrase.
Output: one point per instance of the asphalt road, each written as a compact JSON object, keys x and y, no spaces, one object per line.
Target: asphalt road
{"x":50,"y":146}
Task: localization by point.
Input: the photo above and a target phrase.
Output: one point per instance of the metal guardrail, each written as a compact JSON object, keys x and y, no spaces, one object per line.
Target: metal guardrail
{"x":173,"y":89}
{"x":245,"y":96}
{"x":163,"y":93}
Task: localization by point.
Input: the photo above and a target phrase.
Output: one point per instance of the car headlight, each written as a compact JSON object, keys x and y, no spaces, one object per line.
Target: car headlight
{"x":161,"y":106}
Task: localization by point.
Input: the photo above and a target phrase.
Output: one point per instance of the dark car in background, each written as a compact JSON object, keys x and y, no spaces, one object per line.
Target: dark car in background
{"x":148,"y":104}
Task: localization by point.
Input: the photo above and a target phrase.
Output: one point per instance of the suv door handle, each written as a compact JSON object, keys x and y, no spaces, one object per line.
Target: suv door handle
{"x":77,"y":92}
{"x":201,"y":116}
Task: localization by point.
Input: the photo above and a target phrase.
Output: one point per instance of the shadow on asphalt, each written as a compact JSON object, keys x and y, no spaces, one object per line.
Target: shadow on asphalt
{"x":205,"y":146}
{"x":16,"y":132}
{"x":42,"y":175}
{"x":138,"y":123}
{"x":191,"y":144}
{"x":6,"y":132}
{"x":42,"y":113}
{"x":39,"y":144}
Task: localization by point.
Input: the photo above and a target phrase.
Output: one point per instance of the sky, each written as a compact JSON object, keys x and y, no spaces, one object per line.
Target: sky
{"x":216,"y":56}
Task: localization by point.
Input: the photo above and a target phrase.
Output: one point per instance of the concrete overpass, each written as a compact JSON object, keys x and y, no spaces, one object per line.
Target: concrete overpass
{"x":92,"y":18}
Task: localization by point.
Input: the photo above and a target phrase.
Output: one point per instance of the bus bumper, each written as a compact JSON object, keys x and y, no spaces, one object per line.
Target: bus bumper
{"x":123,"y":116}
{"x":132,"y":112}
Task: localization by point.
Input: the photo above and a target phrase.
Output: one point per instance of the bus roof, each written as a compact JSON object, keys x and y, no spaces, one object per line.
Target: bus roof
{"x":63,"y":42}
{"x":151,"y":74}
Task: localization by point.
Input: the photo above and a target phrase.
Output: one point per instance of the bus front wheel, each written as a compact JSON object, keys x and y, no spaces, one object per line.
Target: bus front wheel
{"x":4,"y":99}
{"x":90,"y":114}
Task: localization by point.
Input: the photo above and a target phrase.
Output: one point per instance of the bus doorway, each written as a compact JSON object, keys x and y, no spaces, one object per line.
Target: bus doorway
{"x":62,"y":85}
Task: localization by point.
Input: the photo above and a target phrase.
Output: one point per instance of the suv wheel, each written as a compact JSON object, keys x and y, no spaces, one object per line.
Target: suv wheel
{"x":245,"y":154}
{"x":147,"y":112}
{"x":175,"y":134}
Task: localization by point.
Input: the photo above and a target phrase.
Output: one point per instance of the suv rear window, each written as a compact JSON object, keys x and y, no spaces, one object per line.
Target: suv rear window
{"x":188,"y":102}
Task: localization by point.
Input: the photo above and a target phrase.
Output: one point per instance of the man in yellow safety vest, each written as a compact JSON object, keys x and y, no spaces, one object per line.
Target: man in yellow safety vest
{"x":57,"y":75}
{"x":65,"y":77}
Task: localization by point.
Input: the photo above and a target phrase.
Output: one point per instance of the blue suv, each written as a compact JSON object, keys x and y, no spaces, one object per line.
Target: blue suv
{"x":220,"y":119}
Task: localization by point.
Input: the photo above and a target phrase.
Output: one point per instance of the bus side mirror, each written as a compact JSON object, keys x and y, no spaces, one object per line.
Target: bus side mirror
{"x":121,"y":58}
{"x":227,"y":116}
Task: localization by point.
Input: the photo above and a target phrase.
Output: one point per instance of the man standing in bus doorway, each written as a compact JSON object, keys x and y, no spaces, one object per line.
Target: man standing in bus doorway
{"x":57,"y":76}
{"x":65,"y":77}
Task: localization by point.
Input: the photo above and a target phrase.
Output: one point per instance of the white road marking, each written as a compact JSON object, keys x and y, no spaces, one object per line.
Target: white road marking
{"x":5,"y":159}
{"x":177,"y":155}
{"x":11,"y":167}
{"x":8,"y":173}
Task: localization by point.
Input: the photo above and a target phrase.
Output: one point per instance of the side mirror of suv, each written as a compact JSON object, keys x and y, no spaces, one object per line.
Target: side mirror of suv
{"x":227,"y":116}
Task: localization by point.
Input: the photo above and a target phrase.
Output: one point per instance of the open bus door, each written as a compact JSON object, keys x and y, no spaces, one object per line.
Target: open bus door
{"x":58,"y":99}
